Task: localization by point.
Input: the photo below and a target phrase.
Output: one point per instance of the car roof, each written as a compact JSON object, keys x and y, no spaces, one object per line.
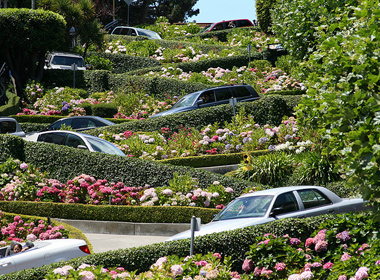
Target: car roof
{"x":280,"y":190}
{"x":84,"y":117}
{"x":66,"y":54}
{"x":7,"y":119}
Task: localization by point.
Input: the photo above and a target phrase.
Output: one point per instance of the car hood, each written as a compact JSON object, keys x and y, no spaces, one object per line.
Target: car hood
{"x":219,"y":226}
{"x":172,"y":111}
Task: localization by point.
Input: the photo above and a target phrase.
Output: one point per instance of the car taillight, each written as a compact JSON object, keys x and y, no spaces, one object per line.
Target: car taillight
{"x":85,"y":249}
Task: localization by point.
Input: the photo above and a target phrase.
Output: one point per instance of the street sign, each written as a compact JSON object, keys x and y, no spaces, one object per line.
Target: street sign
{"x":128,"y":2}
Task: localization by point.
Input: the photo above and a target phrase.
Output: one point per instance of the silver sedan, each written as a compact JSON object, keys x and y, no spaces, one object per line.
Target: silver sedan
{"x":41,"y":253}
{"x":268,"y":205}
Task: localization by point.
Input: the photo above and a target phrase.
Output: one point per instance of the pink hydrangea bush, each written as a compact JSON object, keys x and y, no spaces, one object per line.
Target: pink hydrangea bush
{"x":20,"y":230}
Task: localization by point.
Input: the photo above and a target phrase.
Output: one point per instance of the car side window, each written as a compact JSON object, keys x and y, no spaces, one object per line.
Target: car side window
{"x":313,"y":198}
{"x":124,"y":31}
{"x":7,"y":127}
{"x":285,"y":203}
{"x":207,"y":96}
{"x":79,"y":123}
{"x":55,"y":138}
{"x":74,"y":141}
{"x":58,"y":125}
{"x":223,"y":94}
{"x":241,"y":92}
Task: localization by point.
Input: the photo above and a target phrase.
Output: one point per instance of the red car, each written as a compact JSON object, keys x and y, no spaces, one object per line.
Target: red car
{"x":226,"y":24}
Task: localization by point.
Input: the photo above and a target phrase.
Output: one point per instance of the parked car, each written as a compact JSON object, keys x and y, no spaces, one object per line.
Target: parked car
{"x":211,"y":97}
{"x":79,"y":123}
{"x":10,"y":126}
{"x":41,"y":253}
{"x":265,"y":206}
{"x":75,"y":140}
{"x":64,"y":61}
{"x":226,"y":24}
{"x":134,"y":31}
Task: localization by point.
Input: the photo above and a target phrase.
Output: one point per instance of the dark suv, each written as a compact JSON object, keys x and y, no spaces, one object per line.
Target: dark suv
{"x":227,"y":24}
{"x":212,"y":97}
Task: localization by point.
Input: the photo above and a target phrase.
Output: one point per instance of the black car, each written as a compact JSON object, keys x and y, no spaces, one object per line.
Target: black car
{"x":79,"y":123}
{"x":212,"y":97}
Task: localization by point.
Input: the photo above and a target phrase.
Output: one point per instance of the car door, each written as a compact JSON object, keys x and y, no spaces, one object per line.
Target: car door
{"x":54,"y":137}
{"x":223,"y":95}
{"x":315,"y":203}
{"x":7,"y":265}
{"x":286,"y":205}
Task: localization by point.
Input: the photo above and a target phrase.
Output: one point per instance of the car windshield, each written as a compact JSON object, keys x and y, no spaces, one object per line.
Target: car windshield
{"x":245,"y":207}
{"x":149,"y":34}
{"x":186,"y":101}
{"x":102,"y":146}
{"x":67,"y":60}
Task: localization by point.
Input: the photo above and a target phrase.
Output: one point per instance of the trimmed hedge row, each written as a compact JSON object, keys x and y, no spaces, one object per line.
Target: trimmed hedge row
{"x":202,"y":65}
{"x":268,"y":110}
{"x":158,"y":87}
{"x":123,"y":63}
{"x":47,"y":119}
{"x":211,"y":160}
{"x":232,"y":243}
{"x":132,"y":171}
{"x":136,"y":214}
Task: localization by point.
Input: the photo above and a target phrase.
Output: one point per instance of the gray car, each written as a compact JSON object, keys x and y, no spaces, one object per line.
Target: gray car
{"x":76,"y":140}
{"x":268,"y":205}
{"x":212,"y":97}
{"x":79,"y":123}
{"x":10,"y":126}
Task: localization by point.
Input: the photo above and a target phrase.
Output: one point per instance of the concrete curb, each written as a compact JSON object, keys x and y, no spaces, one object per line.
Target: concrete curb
{"x":126,"y":228}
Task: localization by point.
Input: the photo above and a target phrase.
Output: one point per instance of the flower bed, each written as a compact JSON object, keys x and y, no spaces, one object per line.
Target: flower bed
{"x":26,"y":183}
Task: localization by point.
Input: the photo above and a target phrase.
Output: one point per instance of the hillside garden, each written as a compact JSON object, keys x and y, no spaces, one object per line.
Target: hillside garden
{"x":318,"y":142}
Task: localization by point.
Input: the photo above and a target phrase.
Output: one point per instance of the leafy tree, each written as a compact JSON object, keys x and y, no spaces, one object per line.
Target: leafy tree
{"x":343,"y":99}
{"x":147,"y":11}
{"x":263,"y":8}
{"x":31,"y":33}
{"x":295,"y":23}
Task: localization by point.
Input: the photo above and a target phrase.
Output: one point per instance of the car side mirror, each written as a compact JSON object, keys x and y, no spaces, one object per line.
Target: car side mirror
{"x":200,"y":102}
{"x":83,"y":147}
{"x":46,"y":62}
{"x":275,"y":212}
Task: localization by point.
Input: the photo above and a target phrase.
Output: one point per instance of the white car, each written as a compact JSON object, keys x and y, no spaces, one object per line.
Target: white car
{"x":134,"y":31}
{"x":75,"y":140}
{"x":43,"y":252}
{"x":64,"y":61}
{"x":265,"y":206}
{"x":10,"y":126}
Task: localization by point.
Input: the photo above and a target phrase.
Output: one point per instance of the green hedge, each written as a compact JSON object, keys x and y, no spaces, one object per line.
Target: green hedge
{"x":12,"y":106}
{"x":132,"y":171}
{"x":211,"y":160}
{"x":157,"y":87}
{"x":136,"y":214}
{"x":232,"y":243}
{"x":268,"y":110}
{"x":123,"y":63}
{"x":47,"y":119}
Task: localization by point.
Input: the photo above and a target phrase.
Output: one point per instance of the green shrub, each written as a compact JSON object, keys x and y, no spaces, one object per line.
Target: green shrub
{"x":131,"y":171}
{"x":263,"y":8}
{"x":64,"y":78}
{"x":135,"y":214}
{"x":104,"y":110}
{"x":97,"y":80}
{"x":12,"y":106}
{"x":268,"y":110}
{"x":233,"y":243}
{"x":99,"y":63}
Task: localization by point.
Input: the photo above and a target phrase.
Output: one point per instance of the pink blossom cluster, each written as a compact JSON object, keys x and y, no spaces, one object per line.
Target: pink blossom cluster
{"x":19,"y":230}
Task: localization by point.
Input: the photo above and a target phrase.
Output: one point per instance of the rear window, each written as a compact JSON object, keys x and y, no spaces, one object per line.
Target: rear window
{"x":313,"y":198}
{"x":242,"y":92}
{"x":67,"y":60}
{"x":242,"y":23}
{"x":7,"y":127}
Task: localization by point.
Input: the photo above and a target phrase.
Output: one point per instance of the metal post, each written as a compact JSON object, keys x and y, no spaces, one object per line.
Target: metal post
{"x":128,"y":16}
{"x":74,"y":67}
{"x":193,"y":224}
{"x":249,"y":48}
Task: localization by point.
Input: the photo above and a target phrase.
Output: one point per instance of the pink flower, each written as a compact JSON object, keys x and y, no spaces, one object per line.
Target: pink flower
{"x":361,"y":273}
{"x":280,"y":266}
{"x":217,"y":255}
{"x":295,"y":241}
{"x":328,"y":265}
{"x":23,"y":166}
{"x":321,"y":246}
{"x":176,"y":269}
{"x":309,"y":241}
{"x":342,"y":277}
{"x":87,"y":275}
{"x":345,"y":257}
{"x":247,"y":265}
